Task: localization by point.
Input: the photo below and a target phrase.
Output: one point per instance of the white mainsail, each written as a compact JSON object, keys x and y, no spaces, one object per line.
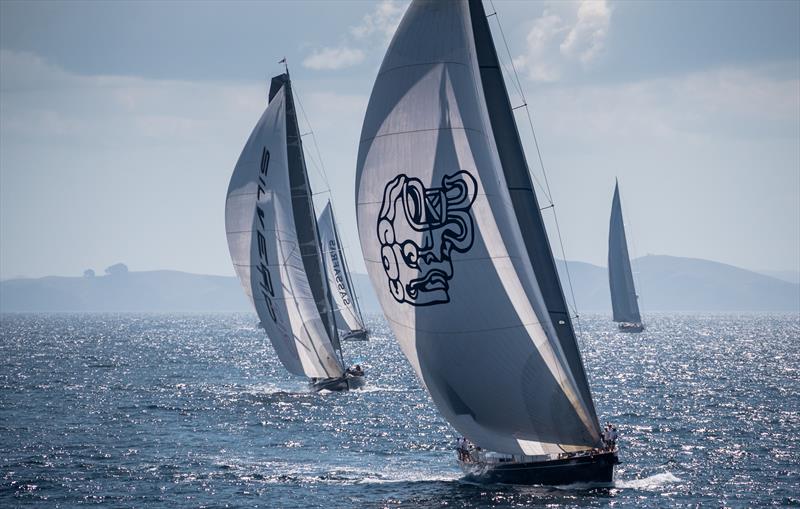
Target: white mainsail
{"x":455,"y":245}
{"x":345,"y":302}
{"x":620,"y":276}
{"x":271,"y":232}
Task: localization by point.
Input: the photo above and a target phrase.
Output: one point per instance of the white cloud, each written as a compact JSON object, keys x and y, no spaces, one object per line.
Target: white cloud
{"x":383,"y":21}
{"x":718,"y":104}
{"x":586,"y":38}
{"x":110,"y":168}
{"x":334,"y":58}
{"x":556,"y":41}
{"x":541,"y":62}
{"x":370,"y":36}
{"x":694,"y":153}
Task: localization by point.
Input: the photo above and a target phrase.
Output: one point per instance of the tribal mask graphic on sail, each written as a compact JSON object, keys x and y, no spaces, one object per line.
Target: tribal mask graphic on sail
{"x":340,"y":286}
{"x":265,"y":284}
{"x":418,"y":273}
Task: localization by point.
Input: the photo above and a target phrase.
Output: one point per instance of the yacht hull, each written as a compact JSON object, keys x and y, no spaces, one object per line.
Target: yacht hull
{"x":340,"y":384}
{"x":589,"y":468}
{"x":631,"y":327}
{"x":356,"y":335}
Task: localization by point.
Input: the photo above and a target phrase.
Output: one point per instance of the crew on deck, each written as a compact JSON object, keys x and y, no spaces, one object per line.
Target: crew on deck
{"x":465,"y":448}
{"x":610,"y":436}
{"x":356,"y":370}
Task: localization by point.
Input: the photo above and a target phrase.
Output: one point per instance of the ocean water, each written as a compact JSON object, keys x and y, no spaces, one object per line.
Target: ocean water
{"x":194,"y":411}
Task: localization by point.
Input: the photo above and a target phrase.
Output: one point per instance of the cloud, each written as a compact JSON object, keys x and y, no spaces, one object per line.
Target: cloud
{"x":541,"y":61}
{"x":382,"y":21}
{"x":695,"y":152}
{"x":572,"y":37}
{"x":334,"y":58}
{"x":733,"y":104}
{"x":585,"y":39}
{"x":106,"y":167}
{"x":370,"y":36}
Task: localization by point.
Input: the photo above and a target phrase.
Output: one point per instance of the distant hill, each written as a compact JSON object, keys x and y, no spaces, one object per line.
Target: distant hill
{"x":665,"y":283}
{"x":792,"y":276}
{"x":671,"y":283}
{"x":160,"y":290}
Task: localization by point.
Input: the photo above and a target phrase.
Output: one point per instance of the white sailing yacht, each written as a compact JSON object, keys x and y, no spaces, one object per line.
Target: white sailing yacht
{"x":624,"y":301}
{"x":274,"y":245}
{"x":346,"y":307}
{"x":457,"y":251}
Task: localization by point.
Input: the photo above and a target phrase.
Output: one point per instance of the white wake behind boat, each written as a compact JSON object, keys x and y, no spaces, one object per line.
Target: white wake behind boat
{"x":274,"y":245}
{"x":457,"y":251}
{"x":624,"y":301}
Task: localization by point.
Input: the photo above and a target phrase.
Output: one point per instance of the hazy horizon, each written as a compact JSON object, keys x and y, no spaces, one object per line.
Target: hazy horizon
{"x":120,"y":123}
{"x":100,"y":271}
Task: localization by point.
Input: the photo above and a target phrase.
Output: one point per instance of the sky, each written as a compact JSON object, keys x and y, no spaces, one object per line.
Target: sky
{"x":121,"y":122}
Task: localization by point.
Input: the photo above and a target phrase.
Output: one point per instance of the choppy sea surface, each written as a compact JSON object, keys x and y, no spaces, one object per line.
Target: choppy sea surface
{"x":194,"y":411}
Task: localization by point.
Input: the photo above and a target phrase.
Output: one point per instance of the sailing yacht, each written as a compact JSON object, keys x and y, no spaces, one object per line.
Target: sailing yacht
{"x":624,"y":301}
{"x":274,"y":245}
{"x":346,"y":308}
{"x":457,"y":251}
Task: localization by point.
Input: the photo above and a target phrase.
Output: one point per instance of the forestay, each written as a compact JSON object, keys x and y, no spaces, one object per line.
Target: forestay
{"x":348,"y":316}
{"x":480,"y":315}
{"x":620,"y":276}
{"x":265,"y":248}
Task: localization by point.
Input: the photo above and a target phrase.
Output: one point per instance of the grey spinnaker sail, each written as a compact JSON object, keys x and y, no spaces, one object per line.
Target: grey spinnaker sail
{"x":270,"y":241}
{"x":348,"y":314}
{"x":620,"y":277}
{"x":445,"y":206}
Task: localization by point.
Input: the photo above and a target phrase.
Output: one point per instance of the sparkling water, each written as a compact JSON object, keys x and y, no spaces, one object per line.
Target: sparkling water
{"x":195,"y":410}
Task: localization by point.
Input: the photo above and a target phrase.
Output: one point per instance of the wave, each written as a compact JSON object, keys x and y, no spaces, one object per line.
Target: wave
{"x":376,"y":388}
{"x":652,"y":482}
{"x":647,"y":483}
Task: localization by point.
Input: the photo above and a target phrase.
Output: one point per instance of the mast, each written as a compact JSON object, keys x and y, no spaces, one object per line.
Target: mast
{"x":444,"y":208}
{"x":523,"y":196}
{"x":620,"y":275}
{"x":346,"y":268}
{"x":304,"y":214}
{"x":271,"y":243}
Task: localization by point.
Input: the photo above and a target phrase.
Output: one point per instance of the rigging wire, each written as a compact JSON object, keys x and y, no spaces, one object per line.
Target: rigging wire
{"x":546,"y":188}
{"x":316,"y":157}
{"x":319,"y":165}
{"x":636,"y":280}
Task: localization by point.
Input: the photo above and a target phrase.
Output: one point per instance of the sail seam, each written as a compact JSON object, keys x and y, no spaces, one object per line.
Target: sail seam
{"x":433,"y":63}
{"x":423,"y":131}
{"x":521,"y":325}
{"x":464,"y":258}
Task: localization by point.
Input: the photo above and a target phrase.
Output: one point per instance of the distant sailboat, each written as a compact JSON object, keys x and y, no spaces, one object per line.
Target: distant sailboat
{"x":457,"y":252}
{"x":348,"y":313}
{"x":624,"y":300}
{"x":274,"y":245}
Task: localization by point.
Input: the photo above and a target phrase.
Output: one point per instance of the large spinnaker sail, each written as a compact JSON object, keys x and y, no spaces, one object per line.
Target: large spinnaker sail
{"x":348,"y":315}
{"x":445,"y":250}
{"x":264,"y":240}
{"x":620,"y":276}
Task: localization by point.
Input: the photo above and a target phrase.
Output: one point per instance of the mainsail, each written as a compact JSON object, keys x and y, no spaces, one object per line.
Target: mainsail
{"x":620,"y":277}
{"x":348,"y":313}
{"x":455,"y":245}
{"x":273,"y":241}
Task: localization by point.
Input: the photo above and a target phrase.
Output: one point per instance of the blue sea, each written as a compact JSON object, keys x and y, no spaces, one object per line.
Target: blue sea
{"x":194,"y":410}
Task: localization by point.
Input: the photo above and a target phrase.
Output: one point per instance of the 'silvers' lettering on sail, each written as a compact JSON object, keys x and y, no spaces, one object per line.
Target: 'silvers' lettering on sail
{"x":265,"y":285}
{"x":337,"y":272}
{"x":419,"y":274}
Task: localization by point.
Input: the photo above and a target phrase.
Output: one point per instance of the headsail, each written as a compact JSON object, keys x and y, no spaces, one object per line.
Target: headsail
{"x":272,"y":238}
{"x":348,"y":314}
{"x":445,"y":206}
{"x":620,"y":277}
